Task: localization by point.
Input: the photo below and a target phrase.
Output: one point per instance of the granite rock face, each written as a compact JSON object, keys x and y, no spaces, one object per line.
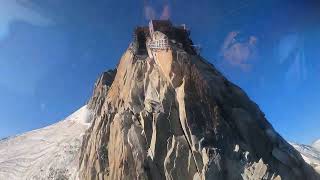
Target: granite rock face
{"x":173,"y":116}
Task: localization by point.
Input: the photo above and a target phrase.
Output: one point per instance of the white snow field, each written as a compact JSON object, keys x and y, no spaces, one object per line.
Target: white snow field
{"x":311,"y":154}
{"x":316,"y":145}
{"x":48,"y":153}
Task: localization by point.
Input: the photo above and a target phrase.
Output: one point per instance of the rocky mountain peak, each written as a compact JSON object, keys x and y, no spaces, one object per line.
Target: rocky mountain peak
{"x":166,"y":113}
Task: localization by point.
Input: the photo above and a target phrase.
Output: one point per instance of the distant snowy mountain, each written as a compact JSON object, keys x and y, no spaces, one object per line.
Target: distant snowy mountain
{"x":48,"y":153}
{"x":316,"y":145}
{"x":311,"y":154}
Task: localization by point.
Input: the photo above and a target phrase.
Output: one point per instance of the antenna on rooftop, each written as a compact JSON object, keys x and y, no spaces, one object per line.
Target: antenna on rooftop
{"x":184,"y":26}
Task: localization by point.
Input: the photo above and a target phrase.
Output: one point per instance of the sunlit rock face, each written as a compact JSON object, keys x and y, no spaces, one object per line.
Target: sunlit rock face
{"x":173,"y":116}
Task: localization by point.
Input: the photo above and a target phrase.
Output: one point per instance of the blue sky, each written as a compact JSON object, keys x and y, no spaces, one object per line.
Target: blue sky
{"x":51,"y":53}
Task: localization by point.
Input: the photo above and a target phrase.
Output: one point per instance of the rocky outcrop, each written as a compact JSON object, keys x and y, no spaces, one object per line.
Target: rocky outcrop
{"x":101,"y":89}
{"x":96,"y":104}
{"x":174,"y":116}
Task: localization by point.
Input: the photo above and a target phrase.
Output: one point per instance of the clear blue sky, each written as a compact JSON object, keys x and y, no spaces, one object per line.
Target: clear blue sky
{"x":51,"y":53}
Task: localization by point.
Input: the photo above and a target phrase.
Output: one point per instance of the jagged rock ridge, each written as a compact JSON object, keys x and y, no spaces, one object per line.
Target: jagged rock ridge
{"x":166,"y":113}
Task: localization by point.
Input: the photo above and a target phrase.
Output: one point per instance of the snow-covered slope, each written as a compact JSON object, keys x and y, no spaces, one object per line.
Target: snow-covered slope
{"x":311,"y":154}
{"x":316,"y":145}
{"x":48,"y":153}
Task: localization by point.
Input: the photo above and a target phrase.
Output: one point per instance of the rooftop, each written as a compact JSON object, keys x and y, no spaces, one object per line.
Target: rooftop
{"x":177,"y":33}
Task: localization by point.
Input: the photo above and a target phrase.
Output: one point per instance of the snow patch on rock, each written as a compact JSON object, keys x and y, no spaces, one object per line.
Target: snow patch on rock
{"x":83,"y":115}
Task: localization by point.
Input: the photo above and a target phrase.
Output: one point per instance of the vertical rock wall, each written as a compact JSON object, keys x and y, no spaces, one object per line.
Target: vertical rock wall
{"x":176,"y":117}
